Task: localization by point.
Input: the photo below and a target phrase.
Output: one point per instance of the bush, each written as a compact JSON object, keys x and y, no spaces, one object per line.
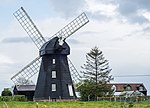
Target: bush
{"x":6,"y":98}
{"x":13,"y":98}
{"x":90,"y":91}
{"x":19,"y":98}
{"x":6,"y":92}
{"x":131,"y":105}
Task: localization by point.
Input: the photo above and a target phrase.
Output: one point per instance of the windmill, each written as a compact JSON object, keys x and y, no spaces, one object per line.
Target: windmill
{"x":56,"y":73}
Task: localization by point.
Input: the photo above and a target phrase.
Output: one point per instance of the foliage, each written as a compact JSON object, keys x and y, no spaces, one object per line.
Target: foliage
{"x":96,"y":72}
{"x":19,"y":98}
{"x":90,"y":91}
{"x":13,"y":98}
{"x":5,"y":98}
{"x":96,"y":67}
{"x":6,"y":92}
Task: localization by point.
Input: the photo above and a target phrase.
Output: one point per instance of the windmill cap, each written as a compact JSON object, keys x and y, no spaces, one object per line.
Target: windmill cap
{"x":53,"y":47}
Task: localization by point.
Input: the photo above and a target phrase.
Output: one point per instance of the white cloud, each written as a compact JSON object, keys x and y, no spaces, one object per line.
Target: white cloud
{"x":7,"y":2}
{"x":146,"y":14}
{"x":104,"y":9}
{"x":67,"y":8}
{"x":5,"y":60}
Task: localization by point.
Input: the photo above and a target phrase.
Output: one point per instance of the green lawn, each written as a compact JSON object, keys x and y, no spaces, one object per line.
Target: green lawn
{"x":99,"y":104}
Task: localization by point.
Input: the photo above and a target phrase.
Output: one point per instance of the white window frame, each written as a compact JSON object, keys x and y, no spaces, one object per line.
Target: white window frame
{"x":54,"y":61}
{"x":70,"y":90}
{"x":53,"y":87}
{"x":53,"y":74}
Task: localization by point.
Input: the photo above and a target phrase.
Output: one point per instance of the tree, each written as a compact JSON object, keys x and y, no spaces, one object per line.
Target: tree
{"x":96,"y":72}
{"x":96,"y":67}
{"x":6,"y":92}
{"x":88,"y":90}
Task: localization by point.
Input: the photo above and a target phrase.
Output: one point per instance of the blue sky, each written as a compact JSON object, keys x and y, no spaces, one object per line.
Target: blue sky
{"x":120,"y":28}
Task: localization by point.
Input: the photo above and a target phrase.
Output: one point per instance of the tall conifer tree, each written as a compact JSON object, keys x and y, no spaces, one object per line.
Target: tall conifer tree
{"x":96,"y":75}
{"x":96,"y":67}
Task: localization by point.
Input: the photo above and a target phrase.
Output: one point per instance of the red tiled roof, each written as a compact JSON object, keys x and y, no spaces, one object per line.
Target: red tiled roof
{"x":121,"y":86}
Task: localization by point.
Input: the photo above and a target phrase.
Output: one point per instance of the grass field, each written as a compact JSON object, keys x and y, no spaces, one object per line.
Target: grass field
{"x":99,"y":104}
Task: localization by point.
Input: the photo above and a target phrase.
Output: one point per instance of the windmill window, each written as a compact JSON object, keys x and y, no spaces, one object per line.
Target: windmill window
{"x":53,"y":87}
{"x":70,"y":90}
{"x":53,"y":74}
{"x":54,"y":61}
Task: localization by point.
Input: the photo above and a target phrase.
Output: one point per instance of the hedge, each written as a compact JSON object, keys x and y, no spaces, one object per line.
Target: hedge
{"x":13,"y":98}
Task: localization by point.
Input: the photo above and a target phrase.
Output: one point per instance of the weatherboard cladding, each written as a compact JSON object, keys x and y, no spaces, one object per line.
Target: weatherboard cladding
{"x":63,"y":78}
{"x":52,"y":50}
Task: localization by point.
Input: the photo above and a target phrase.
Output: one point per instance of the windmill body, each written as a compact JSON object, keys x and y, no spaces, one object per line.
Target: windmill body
{"x":54,"y":80}
{"x":56,"y":70}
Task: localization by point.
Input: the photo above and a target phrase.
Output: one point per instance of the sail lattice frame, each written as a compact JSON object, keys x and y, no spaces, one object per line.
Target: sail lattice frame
{"x":28,"y":25}
{"x":28,"y":71}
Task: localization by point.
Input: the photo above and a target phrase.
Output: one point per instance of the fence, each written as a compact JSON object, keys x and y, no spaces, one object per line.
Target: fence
{"x":124,"y":99}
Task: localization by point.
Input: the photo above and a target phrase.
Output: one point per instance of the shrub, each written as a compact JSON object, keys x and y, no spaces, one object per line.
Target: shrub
{"x":13,"y":98}
{"x":6,"y":92}
{"x":6,"y":98}
{"x":131,"y":105}
{"x":19,"y":98}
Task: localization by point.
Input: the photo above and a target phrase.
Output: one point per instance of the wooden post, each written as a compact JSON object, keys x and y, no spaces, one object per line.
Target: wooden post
{"x":49,"y":98}
{"x":115,"y":98}
{"x":36,"y":105}
{"x":88,"y":97}
{"x":137,"y":99}
{"x":97,"y":98}
{"x":59,"y":98}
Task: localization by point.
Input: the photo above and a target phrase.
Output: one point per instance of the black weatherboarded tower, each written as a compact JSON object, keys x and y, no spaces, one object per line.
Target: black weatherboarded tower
{"x":56,"y":73}
{"x":54,"y":78}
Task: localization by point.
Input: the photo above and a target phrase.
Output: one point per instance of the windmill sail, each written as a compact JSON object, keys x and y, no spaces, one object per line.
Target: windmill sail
{"x":29,"y":27}
{"x":28,"y":71}
{"x":33,"y":68}
{"x":72,"y":27}
{"x":76,"y":77}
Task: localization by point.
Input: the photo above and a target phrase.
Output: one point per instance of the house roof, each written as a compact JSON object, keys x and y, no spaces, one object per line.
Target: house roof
{"x":25,"y":87}
{"x":121,"y":86}
{"x":131,"y":93}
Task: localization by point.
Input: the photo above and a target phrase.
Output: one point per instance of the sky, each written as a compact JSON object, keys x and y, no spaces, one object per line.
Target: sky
{"x":120,"y":28}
